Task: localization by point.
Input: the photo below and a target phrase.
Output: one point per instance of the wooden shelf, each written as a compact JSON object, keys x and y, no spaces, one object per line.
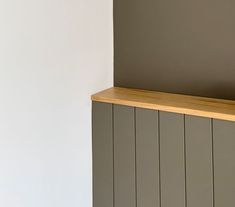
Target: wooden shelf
{"x":183,"y":104}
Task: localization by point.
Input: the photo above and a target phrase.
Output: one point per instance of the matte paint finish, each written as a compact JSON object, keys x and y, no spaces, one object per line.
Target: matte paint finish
{"x":172,"y":160}
{"x":124,"y":157}
{"x":158,"y":159}
{"x":178,"y":46}
{"x":102,"y":147}
{"x":147,"y":158}
{"x":224,"y":158}
{"x":199,"y":172}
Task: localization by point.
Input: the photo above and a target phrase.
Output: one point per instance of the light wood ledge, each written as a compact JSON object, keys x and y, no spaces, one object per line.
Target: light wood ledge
{"x":183,"y":104}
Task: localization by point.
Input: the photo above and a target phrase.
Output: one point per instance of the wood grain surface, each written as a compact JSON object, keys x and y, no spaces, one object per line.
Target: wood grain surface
{"x":183,"y":104}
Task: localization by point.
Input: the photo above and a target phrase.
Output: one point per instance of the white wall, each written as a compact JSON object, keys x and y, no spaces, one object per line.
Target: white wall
{"x":53,"y":55}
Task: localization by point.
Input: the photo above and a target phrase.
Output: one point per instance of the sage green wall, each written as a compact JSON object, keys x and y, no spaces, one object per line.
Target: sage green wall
{"x":180,"y":46}
{"x":149,"y":158}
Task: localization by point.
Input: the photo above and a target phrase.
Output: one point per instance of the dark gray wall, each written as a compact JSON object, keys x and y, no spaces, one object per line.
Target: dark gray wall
{"x":180,"y":46}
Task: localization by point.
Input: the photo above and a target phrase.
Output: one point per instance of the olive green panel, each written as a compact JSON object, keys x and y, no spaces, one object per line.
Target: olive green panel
{"x":199,"y":172}
{"x":224,"y":163}
{"x":147,"y":158}
{"x":102,"y":147}
{"x":172,"y":160}
{"x":124,"y":157}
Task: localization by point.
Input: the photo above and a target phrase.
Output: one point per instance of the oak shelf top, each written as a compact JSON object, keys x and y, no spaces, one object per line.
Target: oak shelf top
{"x":176,"y":103}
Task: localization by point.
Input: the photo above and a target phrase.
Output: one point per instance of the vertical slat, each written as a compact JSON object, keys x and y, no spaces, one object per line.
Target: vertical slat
{"x":172,"y":160}
{"x":147,"y":158}
{"x":224,"y":163}
{"x":124,"y":156}
{"x":199,"y":173}
{"x":102,"y":145}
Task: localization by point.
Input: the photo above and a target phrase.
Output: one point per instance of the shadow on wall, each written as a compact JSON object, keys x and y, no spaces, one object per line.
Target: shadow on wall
{"x":224,"y":91}
{"x":221,"y":91}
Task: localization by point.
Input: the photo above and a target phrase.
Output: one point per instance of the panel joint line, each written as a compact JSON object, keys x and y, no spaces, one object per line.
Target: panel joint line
{"x":113,"y":155}
{"x":213,"y":163}
{"x":135,"y":159}
{"x":185,"y":163}
{"x":159,"y":162}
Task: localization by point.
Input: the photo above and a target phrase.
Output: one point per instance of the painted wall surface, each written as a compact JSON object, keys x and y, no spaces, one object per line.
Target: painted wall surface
{"x":152,"y":158}
{"x":53,"y":55}
{"x":180,"y":46}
